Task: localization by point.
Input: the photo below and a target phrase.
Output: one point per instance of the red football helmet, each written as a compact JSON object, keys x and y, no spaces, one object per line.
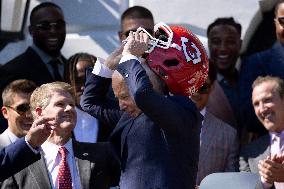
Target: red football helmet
{"x":178,"y":57}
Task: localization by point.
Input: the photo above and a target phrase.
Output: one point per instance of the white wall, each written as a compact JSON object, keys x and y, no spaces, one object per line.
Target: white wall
{"x":92,"y":25}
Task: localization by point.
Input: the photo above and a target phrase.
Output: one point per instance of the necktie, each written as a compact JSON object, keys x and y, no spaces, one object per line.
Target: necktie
{"x":54,"y":64}
{"x":64,"y":175}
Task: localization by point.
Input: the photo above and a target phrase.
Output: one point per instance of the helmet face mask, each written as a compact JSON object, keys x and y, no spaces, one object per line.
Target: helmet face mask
{"x":177,"y":56}
{"x":156,"y":42}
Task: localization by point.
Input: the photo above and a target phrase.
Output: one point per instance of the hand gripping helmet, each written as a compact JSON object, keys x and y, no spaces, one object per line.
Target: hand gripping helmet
{"x":177,"y":56}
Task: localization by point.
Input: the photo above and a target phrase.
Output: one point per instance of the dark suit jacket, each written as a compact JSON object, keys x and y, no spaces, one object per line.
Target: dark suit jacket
{"x":160,"y":147}
{"x":27,"y":65}
{"x":15,"y":157}
{"x":252,"y":153}
{"x":269,"y":62}
{"x":97,"y":167}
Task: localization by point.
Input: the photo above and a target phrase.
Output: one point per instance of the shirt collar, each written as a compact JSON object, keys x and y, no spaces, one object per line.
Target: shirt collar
{"x":203,"y":111}
{"x":12,"y":136}
{"x":44,"y":56}
{"x":273,"y":135}
{"x":51,"y":150}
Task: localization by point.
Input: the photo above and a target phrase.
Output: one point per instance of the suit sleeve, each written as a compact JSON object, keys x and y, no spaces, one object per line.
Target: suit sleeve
{"x":95,"y":101}
{"x":114,"y":166}
{"x":15,"y":157}
{"x":165,"y":112}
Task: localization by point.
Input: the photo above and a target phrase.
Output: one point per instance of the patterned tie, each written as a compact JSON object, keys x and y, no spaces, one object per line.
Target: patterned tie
{"x":64,"y":175}
{"x":54,"y":64}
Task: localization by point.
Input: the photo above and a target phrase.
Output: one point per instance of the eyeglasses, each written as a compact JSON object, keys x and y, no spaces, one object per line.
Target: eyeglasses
{"x":45,"y":25}
{"x":280,"y":20}
{"x":20,"y":109}
{"x":150,"y":31}
{"x":204,"y":89}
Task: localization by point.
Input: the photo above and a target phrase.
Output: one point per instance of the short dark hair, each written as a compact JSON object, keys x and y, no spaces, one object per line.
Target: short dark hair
{"x":43,"y":5}
{"x":280,"y":83}
{"x":136,"y":12}
{"x":277,"y":5}
{"x":225,"y":21}
{"x":16,"y":87}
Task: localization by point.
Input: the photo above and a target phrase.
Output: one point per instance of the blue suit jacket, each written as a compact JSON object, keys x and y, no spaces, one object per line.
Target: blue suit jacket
{"x":160,"y":147}
{"x":269,"y":62}
{"x":15,"y":157}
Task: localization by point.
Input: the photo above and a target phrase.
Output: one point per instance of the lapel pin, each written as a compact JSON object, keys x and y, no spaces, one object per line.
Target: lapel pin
{"x":85,"y":154}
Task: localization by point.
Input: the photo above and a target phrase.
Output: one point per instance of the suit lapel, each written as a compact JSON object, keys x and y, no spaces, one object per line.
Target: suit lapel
{"x":84,"y":167}
{"x":39,"y":173}
{"x":120,"y":132}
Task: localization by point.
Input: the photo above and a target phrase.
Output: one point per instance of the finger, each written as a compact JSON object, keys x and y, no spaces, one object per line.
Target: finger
{"x":43,"y":120}
{"x":274,"y":157}
{"x":137,"y":36}
{"x":130,"y":36}
{"x":266,"y":175}
{"x":145,"y":38}
{"x":141,"y":36}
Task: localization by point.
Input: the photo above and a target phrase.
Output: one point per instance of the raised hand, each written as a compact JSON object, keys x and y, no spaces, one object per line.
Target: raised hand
{"x":40,"y":130}
{"x":137,"y":44}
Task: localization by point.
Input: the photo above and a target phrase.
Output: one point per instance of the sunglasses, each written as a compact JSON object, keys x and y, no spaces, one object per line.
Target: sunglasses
{"x":204,"y":89}
{"x":20,"y":109}
{"x":45,"y":26}
{"x":280,"y":20}
{"x":150,"y":31}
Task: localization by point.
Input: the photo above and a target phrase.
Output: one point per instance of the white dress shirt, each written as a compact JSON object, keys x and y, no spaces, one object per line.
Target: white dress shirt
{"x":52,"y":160}
{"x":86,"y":129}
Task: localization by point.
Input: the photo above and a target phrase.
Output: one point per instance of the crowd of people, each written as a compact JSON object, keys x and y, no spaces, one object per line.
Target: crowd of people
{"x":164,"y":119}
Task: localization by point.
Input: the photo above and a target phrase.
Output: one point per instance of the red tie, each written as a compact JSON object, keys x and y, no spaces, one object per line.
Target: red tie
{"x":64,"y":175}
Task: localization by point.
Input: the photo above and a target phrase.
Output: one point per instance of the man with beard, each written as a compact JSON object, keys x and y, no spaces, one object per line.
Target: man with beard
{"x":42,"y":62}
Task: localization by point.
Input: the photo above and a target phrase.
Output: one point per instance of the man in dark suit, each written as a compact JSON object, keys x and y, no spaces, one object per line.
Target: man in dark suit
{"x":268,"y":62}
{"x":156,"y":136}
{"x":64,"y":161}
{"x":42,"y":62}
{"x":24,"y":152}
{"x":264,"y":154}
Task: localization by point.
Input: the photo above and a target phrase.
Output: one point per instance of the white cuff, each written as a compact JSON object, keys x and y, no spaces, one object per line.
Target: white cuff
{"x":101,"y":70}
{"x":128,"y":57}
{"x":34,"y":150}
